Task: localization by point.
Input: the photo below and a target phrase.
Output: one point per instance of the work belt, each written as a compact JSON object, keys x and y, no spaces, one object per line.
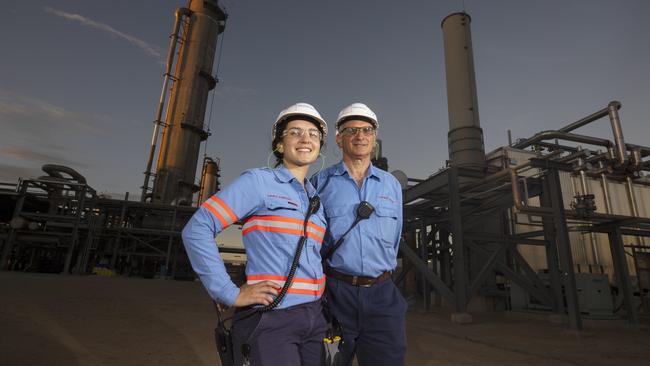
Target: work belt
{"x":362,"y":281}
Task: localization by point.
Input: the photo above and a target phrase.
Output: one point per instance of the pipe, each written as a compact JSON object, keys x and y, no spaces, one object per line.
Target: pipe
{"x":584,"y":121}
{"x":636,"y":159}
{"x":546,"y":135}
{"x":613,"y":108}
{"x":552,"y":147}
{"x":605,"y":185}
{"x":55,"y":171}
{"x":583,"y":185}
{"x":581,"y":153}
{"x":632,"y":202}
{"x":644,"y":150}
{"x":180,"y":12}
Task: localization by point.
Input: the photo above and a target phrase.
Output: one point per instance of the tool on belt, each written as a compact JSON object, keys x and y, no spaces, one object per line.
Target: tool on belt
{"x":223,"y":335}
{"x":334,"y":336}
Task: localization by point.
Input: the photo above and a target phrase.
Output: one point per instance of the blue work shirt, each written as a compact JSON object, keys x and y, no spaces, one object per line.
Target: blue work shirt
{"x":271,"y":206}
{"x":371,"y":247}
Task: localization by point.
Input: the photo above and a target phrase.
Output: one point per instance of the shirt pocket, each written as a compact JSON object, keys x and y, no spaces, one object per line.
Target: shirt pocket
{"x":282,"y":223}
{"x":339,"y":219}
{"x":278,"y":204}
{"x":387,"y":220}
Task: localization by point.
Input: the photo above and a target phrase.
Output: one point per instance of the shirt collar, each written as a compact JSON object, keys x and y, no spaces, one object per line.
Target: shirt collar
{"x":283,"y":174}
{"x":341,"y":168}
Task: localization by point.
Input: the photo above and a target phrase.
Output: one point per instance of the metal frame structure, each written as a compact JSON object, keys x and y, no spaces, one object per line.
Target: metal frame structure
{"x":458,"y":233}
{"x":68,"y":219}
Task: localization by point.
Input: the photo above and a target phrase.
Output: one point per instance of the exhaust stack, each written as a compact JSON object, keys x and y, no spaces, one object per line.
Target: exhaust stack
{"x":465,"y":137}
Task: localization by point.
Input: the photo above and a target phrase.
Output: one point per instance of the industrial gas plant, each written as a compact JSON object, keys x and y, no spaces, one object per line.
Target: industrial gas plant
{"x":555,"y":223}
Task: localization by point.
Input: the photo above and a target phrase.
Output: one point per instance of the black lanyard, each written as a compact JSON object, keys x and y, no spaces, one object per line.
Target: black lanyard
{"x":364,"y":210}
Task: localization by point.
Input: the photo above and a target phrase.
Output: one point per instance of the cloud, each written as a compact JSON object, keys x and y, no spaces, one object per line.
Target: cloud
{"x":35,"y":117}
{"x":147,"y":48}
{"x":11,"y":173}
{"x":39,"y":156}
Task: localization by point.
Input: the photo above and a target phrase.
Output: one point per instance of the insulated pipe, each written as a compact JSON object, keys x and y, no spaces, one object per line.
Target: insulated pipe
{"x":583,"y":185}
{"x":579,"y":154}
{"x":56,"y":170}
{"x":643,"y":150}
{"x":605,"y":184}
{"x":465,"y":137}
{"x":613,"y":108}
{"x":180,"y":12}
{"x":547,"y":135}
{"x":636,"y":159}
{"x":632,"y":201}
{"x":590,"y":118}
{"x":612,"y":111}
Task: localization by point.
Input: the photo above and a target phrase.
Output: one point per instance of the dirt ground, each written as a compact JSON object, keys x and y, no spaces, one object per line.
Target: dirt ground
{"x":91,"y":320}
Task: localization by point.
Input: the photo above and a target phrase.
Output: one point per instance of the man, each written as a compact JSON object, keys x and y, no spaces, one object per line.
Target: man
{"x":360,"y":291}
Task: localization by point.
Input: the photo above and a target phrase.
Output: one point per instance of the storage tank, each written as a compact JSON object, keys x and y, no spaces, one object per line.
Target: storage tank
{"x":209,"y":179}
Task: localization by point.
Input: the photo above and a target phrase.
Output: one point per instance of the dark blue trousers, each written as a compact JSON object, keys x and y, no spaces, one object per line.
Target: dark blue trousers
{"x":373,"y":321}
{"x":290,"y":336}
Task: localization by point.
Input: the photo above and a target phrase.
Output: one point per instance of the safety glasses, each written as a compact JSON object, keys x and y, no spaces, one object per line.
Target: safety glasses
{"x":296,"y":133}
{"x":352,"y":131}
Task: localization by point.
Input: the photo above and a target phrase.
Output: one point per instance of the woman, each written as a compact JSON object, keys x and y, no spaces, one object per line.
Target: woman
{"x":272,"y":205}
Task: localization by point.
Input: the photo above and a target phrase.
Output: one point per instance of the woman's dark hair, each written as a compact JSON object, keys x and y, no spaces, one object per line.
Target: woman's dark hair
{"x":279,"y":130}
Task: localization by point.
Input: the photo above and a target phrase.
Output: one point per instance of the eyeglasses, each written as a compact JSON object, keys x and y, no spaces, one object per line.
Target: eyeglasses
{"x":352,"y":131}
{"x":296,"y":133}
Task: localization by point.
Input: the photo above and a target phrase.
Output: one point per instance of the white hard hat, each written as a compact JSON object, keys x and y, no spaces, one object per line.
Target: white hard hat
{"x":300,"y":109}
{"x":356,"y":110}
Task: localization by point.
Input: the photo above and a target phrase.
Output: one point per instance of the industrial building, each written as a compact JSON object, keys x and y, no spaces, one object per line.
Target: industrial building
{"x":555,"y":223}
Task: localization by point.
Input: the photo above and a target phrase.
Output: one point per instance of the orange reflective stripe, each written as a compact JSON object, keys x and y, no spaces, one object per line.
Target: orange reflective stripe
{"x":288,"y":219}
{"x":299,"y":286}
{"x":281,"y":224}
{"x":223,"y":205}
{"x":282,"y":230}
{"x":265,"y":277}
{"x":216,"y":213}
{"x":220,"y":210}
{"x":306,"y":292}
{"x":271,"y":229}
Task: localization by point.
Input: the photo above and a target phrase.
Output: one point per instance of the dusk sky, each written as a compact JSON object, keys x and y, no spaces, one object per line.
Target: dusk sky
{"x":81,"y":79}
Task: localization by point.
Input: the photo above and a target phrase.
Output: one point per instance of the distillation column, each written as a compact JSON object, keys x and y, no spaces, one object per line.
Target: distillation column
{"x":183,"y":125}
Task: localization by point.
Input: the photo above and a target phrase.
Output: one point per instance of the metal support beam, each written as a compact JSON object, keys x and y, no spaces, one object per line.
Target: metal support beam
{"x":620,"y":266}
{"x":564,"y":246}
{"x":434,"y":280}
{"x":423,"y":242}
{"x":487,"y":269}
{"x":460,"y":272}
{"x":11,"y":238}
{"x":75,"y":229}
{"x":118,"y":240}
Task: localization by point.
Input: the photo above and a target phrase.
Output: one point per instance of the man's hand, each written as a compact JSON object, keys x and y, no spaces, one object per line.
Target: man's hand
{"x":260,"y":293}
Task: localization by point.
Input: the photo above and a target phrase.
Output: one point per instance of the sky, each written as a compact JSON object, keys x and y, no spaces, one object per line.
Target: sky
{"x":81,"y":79}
